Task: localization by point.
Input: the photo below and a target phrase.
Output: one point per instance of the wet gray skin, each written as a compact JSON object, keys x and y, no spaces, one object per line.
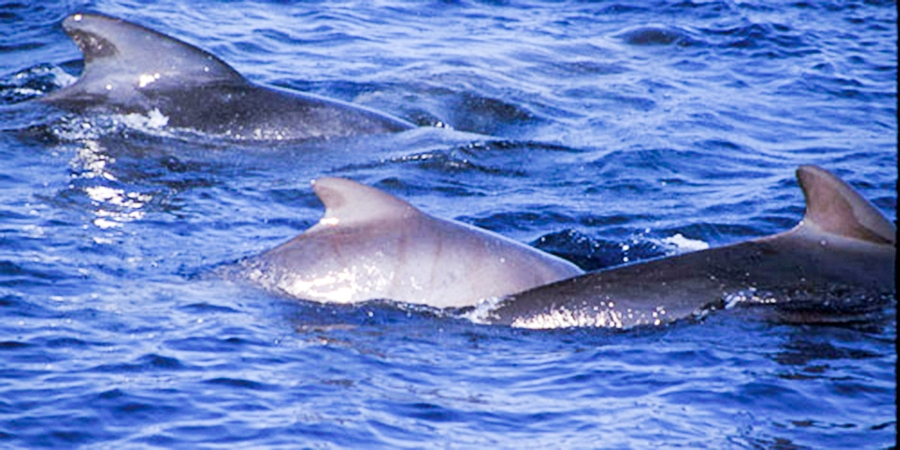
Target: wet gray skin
{"x":372,"y":245}
{"x":841,"y":256}
{"x":132,"y":69}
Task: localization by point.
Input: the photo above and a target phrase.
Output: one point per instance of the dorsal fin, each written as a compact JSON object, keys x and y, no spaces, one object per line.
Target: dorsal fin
{"x":348,"y":202}
{"x":119,"y":55}
{"x":835,"y":207}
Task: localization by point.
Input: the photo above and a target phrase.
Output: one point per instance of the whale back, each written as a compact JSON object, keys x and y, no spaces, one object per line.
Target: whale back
{"x":832,"y":206}
{"x":371,"y":245}
{"x":349,"y":204}
{"x":837,"y":264}
{"x":132,"y":69}
{"x":122,"y":60}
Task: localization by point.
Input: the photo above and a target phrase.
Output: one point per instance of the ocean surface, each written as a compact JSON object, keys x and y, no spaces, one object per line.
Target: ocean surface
{"x":604,"y":132}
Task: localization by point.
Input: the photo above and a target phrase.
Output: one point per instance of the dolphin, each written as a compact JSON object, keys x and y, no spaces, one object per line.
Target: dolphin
{"x":371,"y":245}
{"x":840,"y":256}
{"x":132,"y":69}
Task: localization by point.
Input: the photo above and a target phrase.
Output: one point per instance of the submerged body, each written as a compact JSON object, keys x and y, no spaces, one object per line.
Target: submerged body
{"x":840,"y":257}
{"x":132,"y":69}
{"x":371,"y":245}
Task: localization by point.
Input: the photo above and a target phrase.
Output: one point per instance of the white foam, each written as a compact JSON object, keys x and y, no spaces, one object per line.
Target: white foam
{"x":152,"y":121}
{"x":482,"y":311}
{"x":78,"y":128}
{"x":564,"y":318}
{"x":681,"y":244}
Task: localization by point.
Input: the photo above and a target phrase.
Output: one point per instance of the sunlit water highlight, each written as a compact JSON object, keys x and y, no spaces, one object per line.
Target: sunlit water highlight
{"x":602,"y":132}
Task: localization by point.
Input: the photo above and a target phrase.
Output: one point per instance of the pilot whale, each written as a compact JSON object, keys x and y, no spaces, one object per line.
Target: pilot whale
{"x":132,"y":69}
{"x":840,"y":256}
{"x":371,"y":245}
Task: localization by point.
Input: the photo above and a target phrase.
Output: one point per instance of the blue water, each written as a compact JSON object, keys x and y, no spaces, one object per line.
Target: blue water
{"x":605,"y":132}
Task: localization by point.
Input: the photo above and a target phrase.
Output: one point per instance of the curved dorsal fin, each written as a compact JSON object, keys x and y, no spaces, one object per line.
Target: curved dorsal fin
{"x":835,"y":207}
{"x":119,"y":54}
{"x":348,"y":202}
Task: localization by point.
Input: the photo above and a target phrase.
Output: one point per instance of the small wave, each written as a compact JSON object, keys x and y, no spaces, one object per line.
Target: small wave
{"x":33,"y":82}
{"x":238,"y":383}
{"x":771,"y":40}
{"x":149,"y":362}
{"x":658,"y":35}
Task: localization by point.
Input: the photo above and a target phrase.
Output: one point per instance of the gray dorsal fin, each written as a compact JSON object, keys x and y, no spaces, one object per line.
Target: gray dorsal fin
{"x":348,"y":202}
{"x":835,"y":207}
{"x":121,"y":55}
